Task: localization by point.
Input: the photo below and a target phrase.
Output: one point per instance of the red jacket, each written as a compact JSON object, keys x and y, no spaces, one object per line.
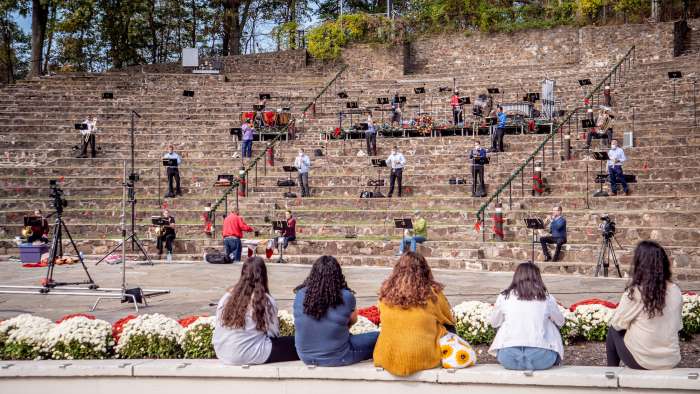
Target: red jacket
{"x":234,"y":226}
{"x":454,"y":101}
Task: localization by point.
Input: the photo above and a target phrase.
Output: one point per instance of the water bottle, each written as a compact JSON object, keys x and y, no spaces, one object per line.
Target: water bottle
{"x":82,"y":256}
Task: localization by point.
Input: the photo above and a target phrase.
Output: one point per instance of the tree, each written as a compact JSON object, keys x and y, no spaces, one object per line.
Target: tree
{"x":236,"y":14}
{"x":40,"y":16}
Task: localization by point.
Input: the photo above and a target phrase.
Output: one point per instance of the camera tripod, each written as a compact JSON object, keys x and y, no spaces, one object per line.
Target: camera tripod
{"x":606,"y":255}
{"x":57,"y":251}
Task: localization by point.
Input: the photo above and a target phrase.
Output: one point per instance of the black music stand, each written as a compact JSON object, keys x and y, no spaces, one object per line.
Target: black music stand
{"x":258,"y":107}
{"x":289,"y":170}
{"x":280,"y":225}
{"x":379,"y":182}
{"x":534,"y":224}
{"x":81,"y":126}
{"x":674,"y":76}
{"x":404,"y":224}
{"x":601,"y":177}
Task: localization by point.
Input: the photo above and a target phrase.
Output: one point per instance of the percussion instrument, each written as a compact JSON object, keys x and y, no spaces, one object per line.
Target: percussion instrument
{"x":248,"y":115}
{"x":269,"y":118}
{"x":523,"y":107}
{"x":482,"y":105}
{"x":283,"y":118}
{"x":425,"y":124}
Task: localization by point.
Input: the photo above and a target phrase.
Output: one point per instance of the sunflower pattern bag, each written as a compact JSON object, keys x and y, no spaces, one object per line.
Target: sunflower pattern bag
{"x":456,"y":352}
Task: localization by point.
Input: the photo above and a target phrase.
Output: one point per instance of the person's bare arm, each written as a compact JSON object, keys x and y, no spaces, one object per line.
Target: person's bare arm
{"x":353,"y":318}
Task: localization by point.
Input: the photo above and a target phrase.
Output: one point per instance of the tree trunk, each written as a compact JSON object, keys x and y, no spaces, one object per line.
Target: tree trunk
{"x":40,"y":11}
{"x":7,"y":48}
{"x":656,"y":10}
{"x":52,"y":27}
{"x":194,"y":23}
{"x":234,"y":23}
{"x":154,"y":35}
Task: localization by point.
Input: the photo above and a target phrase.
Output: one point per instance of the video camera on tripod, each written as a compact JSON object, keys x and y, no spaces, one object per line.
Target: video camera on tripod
{"x":57,"y":195}
{"x":607,"y":228}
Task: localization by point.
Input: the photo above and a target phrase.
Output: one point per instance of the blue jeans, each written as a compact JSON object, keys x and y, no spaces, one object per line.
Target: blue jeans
{"x":361,"y":348}
{"x":616,"y":176}
{"x":247,"y":146}
{"x":413,"y":241}
{"x":523,"y":358}
{"x":287,"y":240}
{"x":232,"y":247}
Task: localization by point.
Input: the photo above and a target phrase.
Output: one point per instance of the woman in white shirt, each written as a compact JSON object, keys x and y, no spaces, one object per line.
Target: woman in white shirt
{"x":643,"y":331}
{"x":246,"y":330}
{"x":528,"y":319}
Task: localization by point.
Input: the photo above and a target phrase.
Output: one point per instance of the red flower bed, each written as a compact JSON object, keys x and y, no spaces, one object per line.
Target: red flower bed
{"x":118,"y":326}
{"x":187,"y":320}
{"x":371,"y":313}
{"x":72,"y":315}
{"x":593,"y":301}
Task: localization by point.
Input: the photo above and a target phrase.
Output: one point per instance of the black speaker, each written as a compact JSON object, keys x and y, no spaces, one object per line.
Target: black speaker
{"x":107,"y":95}
{"x":188,"y":93}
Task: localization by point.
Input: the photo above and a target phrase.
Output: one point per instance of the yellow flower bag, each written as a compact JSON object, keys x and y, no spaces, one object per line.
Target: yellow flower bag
{"x":456,"y":352}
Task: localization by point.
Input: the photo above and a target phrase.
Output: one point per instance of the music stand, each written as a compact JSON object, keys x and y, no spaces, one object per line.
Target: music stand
{"x":464,"y":100}
{"x":264,"y":96}
{"x":169,"y":162}
{"x":258,"y":107}
{"x":404,"y":224}
{"x":81,"y":126}
{"x":379,"y":182}
{"x":351,"y":104}
{"x":600,"y":178}
{"x":534,"y":224}
{"x":587,"y":124}
{"x":289,"y":170}
{"x":674,"y":76}
{"x":280,"y":225}
{"x":420,"y":90}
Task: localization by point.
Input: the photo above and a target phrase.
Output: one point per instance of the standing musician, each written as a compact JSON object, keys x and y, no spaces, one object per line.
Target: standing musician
{"x":173,"y":173}
{"x":303,"y":164}
{"x":603,"y":128}
{"x":616,"y":156}
{"x":497,"y":139}
{"x":396,"y":110}
{"x":371,"y":136}
{"x":39,"y":232}
{"x":607,"y":97}
{"x":456,"y":108}
{"x":88,"y":137}
{"x":166,"y":235}
{"x":557,"y":227}
{"x":259,"y":114}
{"x":477,"y":169}
{"x":396,"y":162}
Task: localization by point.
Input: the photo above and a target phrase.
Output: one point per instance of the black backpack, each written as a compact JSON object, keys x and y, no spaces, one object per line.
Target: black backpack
{"x":213,"y":256}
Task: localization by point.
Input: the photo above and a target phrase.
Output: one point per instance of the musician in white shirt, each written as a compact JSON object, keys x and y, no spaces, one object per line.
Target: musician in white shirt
{"x":396,"y":162}
{"x":88,"y":137}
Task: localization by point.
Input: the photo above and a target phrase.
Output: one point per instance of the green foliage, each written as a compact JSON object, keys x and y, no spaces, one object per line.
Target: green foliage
{"x":150,"y":346}
{"x":326,"y":40}
{"x":197,"y":343}
{"x":19,"y":351}
{"x":475,"y":335}
{"x":76,"y":350}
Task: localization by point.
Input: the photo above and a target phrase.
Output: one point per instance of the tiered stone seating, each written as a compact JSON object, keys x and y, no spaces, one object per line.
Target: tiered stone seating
{"x":37,"y":136}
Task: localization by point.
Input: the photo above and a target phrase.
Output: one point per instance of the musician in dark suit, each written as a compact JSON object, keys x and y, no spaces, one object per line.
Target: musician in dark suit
{"x":88,"y":137}
{"x":166,"y":236}
{"x":477,"y":169}
{"x":557,"y":229}
{"x":396,"y":110}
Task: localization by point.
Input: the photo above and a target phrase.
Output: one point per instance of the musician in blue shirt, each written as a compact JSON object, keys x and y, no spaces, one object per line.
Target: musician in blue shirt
{"x":477,"y":169}
{"x":616,"y":156}
{"x":557,"y":228}
{"x":173,"y":173}
{"x":497,"y":141}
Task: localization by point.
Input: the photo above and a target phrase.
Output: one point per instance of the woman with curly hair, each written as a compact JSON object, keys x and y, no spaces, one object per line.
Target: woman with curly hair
{"x":528,"y":320}
{"x":324,"y":311}
{"x":643,"y":331}
{"x":414,"y":315}
{"x":246,"y":329}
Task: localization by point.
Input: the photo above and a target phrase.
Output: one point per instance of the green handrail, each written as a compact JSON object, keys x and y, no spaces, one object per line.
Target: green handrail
{"x":521,"y":168}
{"x":271,"y":144}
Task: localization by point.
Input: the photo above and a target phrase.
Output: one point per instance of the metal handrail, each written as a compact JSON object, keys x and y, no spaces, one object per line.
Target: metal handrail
{"x":480,"y":213}
{"x":271,"y":144}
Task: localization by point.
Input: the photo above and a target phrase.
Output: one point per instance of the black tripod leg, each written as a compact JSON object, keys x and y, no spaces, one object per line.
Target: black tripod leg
{"x":614,"y":259}
{"x":75,"y":247}
{"x":55,"y":241}
{"x":599,"y":264}
{"x":135,"y":239}
{"x":110,"y":252}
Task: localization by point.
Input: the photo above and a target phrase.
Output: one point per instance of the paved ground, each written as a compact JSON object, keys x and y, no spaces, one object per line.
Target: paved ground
{"x":194,"y":286}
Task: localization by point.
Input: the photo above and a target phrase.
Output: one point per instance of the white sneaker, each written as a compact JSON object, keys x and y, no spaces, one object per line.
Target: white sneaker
{"x":169,"y":258}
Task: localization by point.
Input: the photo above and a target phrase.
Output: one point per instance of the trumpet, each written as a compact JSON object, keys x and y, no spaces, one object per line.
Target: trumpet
{"x":159,"y":231}
{"x":27,"y":232}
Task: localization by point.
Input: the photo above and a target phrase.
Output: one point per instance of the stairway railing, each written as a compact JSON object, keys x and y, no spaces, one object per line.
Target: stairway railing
{"x":253,"y":164}
{"x":563,"y":129}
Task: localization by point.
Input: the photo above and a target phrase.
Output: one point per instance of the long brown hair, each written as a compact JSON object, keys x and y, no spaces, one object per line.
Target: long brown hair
{"x":527,"y":283}
{"x":411,"y":283}
{"x":250,"y":291}
{"x":651,"y":269}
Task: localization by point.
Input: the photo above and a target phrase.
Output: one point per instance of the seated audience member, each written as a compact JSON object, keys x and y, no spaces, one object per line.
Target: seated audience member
{"x":417,"y":235}
{"x":528,"y":319}
{"x":246,"y":329}
{"x":39,"y":232}
{"x":324,"y":311}
{"x":414,"y":313}
{"x":643,"y":331}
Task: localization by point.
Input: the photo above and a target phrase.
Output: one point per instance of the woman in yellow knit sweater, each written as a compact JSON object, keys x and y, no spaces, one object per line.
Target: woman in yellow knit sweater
{"x":414,"y":313}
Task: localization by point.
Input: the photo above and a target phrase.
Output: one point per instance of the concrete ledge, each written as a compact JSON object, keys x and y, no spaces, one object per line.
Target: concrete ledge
{"x":180,"y":376}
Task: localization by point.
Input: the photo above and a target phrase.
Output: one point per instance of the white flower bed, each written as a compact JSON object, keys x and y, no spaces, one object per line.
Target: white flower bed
{"x":691,"y":314}
{"x":569,"y":331}
{"x":473,"y":321}
{"x":80,"y":338}
{"x":23,"y":337}
{"x":151,"y":336}
{"x":592,"y":321}
{"x":197,"y":339}
{"x":362,"y":326}
{"x":286,"y":320}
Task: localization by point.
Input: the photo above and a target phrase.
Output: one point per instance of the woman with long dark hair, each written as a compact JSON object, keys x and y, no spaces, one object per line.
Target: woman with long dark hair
{"x":643,"y":331}
{"x":246,"y":330}
{"x":528,"y":319}
{"x":414,"y":313}
{"x":324,"y":311}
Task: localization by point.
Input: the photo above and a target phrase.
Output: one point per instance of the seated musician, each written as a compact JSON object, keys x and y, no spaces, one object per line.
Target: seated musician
{"x":290,"y":234}
{"x":475,"y":155}
{"x":415,"y":236}
{"x":166,"y":236}
{"x":557,"y":229}
{"x":40,"y":231}
{"x":88,"y":137}
{"x":603,"y":128}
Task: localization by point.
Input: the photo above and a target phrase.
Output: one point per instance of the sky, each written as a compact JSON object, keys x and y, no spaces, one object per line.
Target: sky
{"x":24,"y":22}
